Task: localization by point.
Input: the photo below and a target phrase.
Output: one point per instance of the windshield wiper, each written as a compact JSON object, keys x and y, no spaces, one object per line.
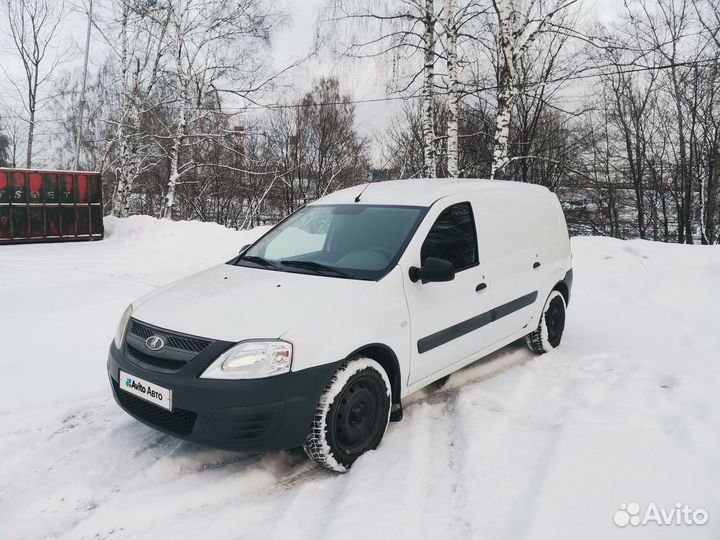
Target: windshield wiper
{"x":318,"y":267}
{"x":259,"y":261}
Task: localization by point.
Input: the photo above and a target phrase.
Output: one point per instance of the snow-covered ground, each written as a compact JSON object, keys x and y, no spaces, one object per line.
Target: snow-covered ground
{"x":515,"y":446}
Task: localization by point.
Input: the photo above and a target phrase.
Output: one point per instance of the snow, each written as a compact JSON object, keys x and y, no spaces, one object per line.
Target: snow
{"x":515,"y":446}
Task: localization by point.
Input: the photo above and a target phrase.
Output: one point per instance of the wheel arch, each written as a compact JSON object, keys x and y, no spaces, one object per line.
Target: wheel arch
{"x":564,"y":286}
{"x":387,"y":358}
{"x":563,"y":289}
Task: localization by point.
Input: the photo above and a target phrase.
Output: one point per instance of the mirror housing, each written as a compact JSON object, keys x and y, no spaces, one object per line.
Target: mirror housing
{"x":434,"y":270}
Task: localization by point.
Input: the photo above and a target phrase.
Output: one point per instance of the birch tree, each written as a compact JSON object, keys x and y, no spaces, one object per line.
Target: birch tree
{"x":451,"y":31}
{"x":33,"y":26}
{"x":211,"y":43}
{"x":142,"y":46}
{"x":518,"y":25}
{"x":457,"y":17}
{"x":708,"y":13}
{"x":4,"y":150}
{"x":404,"y":35}
{"x":428,"y":90}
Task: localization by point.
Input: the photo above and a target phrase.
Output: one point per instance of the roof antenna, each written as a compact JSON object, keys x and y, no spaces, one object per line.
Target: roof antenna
{"x":372,"y":179}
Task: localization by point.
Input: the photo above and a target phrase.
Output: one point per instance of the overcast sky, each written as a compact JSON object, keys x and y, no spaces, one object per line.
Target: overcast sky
{"x":294,"y":41}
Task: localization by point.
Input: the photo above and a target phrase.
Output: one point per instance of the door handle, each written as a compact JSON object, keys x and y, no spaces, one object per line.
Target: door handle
{"x":536,"y":265}
{"x":480,"y":287}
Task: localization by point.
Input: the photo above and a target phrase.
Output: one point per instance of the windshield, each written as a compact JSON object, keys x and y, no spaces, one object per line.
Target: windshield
{"x":351,"y":241}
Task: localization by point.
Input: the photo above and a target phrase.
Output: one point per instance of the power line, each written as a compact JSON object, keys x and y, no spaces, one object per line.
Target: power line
{"x":580,"y":76}
{"x":597,"y":71}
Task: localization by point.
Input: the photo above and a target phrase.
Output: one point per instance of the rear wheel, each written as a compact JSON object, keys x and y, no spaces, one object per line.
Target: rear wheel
{"x":548,"y":334}
{"x":351,"y":416}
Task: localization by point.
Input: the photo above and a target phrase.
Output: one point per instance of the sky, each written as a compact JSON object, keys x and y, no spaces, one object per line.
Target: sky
{"x":361,"y":80}
{"x":295,"y":40}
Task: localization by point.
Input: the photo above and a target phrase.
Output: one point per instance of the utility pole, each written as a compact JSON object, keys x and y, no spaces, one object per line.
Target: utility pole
{"x":76,"y":166}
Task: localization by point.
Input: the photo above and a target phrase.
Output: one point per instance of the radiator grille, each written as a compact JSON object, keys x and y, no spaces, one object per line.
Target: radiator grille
{"x":155,"y":361}
{"x":175,"y":341}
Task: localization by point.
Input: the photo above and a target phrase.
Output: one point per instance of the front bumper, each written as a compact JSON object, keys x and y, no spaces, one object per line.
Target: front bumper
{"x":262,"y":414}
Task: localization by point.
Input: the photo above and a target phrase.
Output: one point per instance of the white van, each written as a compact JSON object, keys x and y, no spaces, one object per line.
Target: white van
{"x":314,"y":334}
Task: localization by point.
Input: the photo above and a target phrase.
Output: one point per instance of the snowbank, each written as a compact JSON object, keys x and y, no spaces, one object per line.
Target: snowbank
{"x":176,"y":233}
{"x":514,"y":446}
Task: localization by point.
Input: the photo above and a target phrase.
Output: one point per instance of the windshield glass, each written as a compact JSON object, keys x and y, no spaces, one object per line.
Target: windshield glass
{"x":351,"y":241}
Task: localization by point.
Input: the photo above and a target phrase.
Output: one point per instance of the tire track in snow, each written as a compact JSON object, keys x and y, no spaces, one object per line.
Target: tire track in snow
{"x":457,"y":451}
{"x":426,"y":425}
{"x":153,"y":460}
{"x":303,"y":481}
{"x":526,"y":505}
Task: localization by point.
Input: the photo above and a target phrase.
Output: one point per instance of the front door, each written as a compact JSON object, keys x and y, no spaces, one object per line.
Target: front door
{"x":444,"y":320}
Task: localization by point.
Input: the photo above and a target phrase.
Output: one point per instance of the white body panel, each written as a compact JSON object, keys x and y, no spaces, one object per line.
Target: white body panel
{"x":233,"y":303}
{"x":378,"y":314}
{"x":437,"y":306}
{"x":327,"y":318}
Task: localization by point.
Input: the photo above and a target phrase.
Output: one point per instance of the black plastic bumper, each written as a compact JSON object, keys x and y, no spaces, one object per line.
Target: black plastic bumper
{"x":262,"y":414}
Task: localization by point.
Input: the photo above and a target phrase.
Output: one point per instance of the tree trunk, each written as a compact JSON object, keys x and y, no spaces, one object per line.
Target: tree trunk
{"x":121,"y":196}
{"x":501,"y":157}
{"x":666,"y":227}
{"x":454,"y":97}
{"x":181,"y":132}
{"x":31,"y":136}
{"x":428,"y":109}
{"x":169,"y":201}
{"x":685,"y":181}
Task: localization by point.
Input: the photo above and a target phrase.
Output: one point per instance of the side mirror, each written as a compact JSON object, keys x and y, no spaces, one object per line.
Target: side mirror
{"x":433,"y":270}
{"x":242,"y":249}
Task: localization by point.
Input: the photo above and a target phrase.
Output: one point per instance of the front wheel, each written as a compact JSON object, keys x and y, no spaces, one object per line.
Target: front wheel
{"x":548,"y":334}
{"x":351,"y":416}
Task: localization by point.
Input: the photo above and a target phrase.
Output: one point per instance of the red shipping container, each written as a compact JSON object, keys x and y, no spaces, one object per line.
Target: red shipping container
{"x":39,"y":205}
{"x":4,"y":187}
{"x":80,"y":186}
{"x":52,"y":222}
{"x":5,"y":229}
{"x":67,"y":195}
{"x":35,"y":187}
{"x":50,"y":188}
{"x":37,"y":221}
{"x":19,"y":221}
{"x":18,"y":187}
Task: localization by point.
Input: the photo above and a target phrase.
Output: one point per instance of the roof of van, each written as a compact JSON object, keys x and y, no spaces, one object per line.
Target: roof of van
{"x":423,"y":192}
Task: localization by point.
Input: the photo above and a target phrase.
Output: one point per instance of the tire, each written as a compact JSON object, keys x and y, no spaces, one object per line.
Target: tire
{"x":548,"y":334}
{"x":352,"y":415}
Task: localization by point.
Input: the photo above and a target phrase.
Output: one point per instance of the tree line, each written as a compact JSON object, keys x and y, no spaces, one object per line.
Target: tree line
{"x":620,"y":119}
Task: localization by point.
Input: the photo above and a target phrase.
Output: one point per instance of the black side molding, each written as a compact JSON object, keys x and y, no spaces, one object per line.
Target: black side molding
{"x":460,"y":329}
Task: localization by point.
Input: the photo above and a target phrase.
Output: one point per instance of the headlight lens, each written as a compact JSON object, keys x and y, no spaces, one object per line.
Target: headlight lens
{"x":124,"y":320}
{"x":252,"y":360}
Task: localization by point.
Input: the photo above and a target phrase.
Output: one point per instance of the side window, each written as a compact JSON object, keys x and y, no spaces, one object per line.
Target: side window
{"x":453,"y":238}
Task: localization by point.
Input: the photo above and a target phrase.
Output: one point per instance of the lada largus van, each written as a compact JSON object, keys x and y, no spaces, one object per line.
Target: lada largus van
{"x":313,"y":335}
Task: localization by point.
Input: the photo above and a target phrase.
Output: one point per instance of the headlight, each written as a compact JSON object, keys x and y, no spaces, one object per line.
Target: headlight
{"x":124,"y":320}
{"x":252,"y":360}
